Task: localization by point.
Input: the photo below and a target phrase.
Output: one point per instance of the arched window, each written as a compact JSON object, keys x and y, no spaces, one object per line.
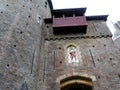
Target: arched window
{"x":72,"y":54}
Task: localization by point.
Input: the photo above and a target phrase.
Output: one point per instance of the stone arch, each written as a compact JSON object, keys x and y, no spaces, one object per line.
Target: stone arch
{"x":76,"y":82}
{"x":71,"y":44}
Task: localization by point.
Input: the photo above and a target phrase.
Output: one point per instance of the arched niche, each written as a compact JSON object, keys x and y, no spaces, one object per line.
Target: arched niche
{"x":72,"y":53}
{"x":76,"y":83}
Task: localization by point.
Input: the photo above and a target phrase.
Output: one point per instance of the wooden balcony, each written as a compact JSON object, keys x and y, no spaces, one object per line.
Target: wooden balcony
{"x":69,"y":25}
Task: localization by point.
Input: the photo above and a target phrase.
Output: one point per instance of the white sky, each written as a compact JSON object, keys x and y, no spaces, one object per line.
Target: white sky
{"x":94,"y":7}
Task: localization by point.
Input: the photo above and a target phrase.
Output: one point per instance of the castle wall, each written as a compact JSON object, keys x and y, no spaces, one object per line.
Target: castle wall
{"x":21,"y":25}
{"x":98,"y":58}
{"x":33,"y":58}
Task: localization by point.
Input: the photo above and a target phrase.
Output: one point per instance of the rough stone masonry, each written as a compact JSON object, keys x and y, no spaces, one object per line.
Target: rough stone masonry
{"x":33,"y":58}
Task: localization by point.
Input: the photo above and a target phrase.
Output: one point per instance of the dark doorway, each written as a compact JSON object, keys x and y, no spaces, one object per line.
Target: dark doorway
{"x":76,"y":83}
{"x":77,"y":86}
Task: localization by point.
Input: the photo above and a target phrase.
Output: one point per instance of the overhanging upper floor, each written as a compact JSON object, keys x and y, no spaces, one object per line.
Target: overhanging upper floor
{"x":73,"y":21}
{"x":67,"y":21}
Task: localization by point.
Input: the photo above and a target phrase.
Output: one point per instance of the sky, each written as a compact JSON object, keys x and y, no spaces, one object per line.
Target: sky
{"x":94,"y":7}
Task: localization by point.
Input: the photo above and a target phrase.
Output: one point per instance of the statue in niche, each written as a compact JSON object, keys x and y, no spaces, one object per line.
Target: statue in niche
{"x":72,"y":54}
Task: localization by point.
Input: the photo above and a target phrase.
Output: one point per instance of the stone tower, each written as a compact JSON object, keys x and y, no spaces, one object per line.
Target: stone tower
{"x":79,"y":52}
{"x":21,"y":43}
{"x":46,"y":49}
{"x":115,"y":28}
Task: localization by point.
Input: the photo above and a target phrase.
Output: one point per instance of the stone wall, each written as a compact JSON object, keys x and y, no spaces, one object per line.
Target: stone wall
{"x":21,"y":27}
{"x":98,"y":58}
{"x":100,"y":61}
{"x":33,"y":58}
